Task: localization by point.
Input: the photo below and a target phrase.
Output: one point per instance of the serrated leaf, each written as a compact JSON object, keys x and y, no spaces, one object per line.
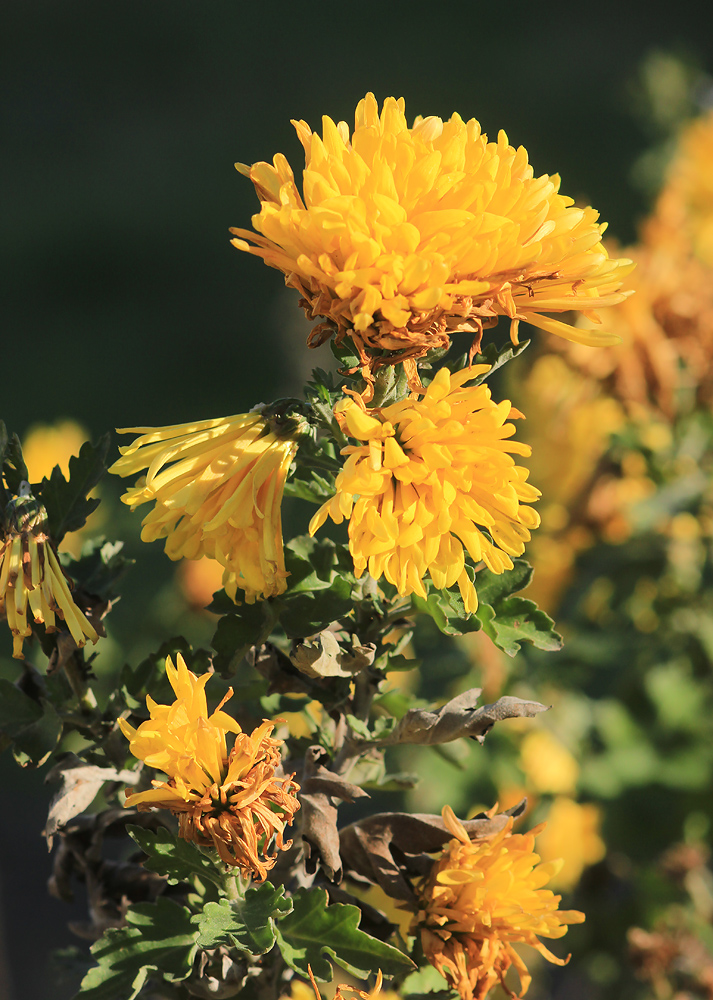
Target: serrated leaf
{"x":100,"y":567}
{"x":492,"y":587}
{"x":447,"y":611}
{"x":248,"y":625}
{"x":33,"y":745}
{"x":316,"y":935}
{"x":247,"y":924}
{"x":66,"y":500}
{"x":517,"y":620}
{"x":159,"y":937}
{"x":491,"y":355}
{"x":17,"y":710}
{"x":14,"y":467}
{"x":172,"y":856}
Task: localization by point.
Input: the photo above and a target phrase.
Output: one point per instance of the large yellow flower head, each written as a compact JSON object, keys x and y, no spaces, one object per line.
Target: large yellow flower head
{"x":30,"y":575}
{"x":226,"y":799}
{"x":403,"y":236}
{"x":427,"y":476}
{"x":217,"y":489}
{"x":479,"y":900}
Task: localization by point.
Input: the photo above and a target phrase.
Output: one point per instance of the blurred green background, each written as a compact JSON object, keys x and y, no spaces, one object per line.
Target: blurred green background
{"x":125,"y":302}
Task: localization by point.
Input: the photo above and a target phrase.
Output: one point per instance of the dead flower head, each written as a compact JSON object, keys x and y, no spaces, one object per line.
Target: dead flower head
{"x":30,"y":575}
{"x":229,"y":800}
{"x":479,"y":900}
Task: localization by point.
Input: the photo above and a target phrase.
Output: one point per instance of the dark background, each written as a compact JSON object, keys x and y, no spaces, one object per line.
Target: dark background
{"x":126,"y":304}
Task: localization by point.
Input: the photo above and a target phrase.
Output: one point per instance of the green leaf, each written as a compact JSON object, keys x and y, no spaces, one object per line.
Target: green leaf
{"x":248,"y":625}
{"x":14,"y":467}
{"x":177,"y":858}
{"x":247,"y":924}
{"x":491,"y":355}
{"x":159,"y":937}
{"x":66,"y":500}
{"x":316,"y":934}
{"x":99,"y":568}
{"x":448,"y":612}
{"x":492,"y":587}
{"x":516,"y":620}
{"x":17,"y":711}
{"x":33,"y":745}
{"x":345,"y":353}
{"x":305,"y":614}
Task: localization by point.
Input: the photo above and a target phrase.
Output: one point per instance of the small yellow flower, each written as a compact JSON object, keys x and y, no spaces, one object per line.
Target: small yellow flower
{"x":479,"y":900}
{"x":30,"y":574}
{"x":229,"y":800}
{"x":548,"y":764}
{"x":217,"y":488}
{"x":428,"y":475}
{"x":573,"y":835}
{"x":403,"y":236}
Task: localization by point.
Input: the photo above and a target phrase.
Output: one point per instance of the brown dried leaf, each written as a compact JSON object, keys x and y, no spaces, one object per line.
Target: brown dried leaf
{"x":322,"y":656}
{"x":319,"y":788}
{"x":460,"y":717}
{"x":80,"y":784}
{"x":388,"y":848}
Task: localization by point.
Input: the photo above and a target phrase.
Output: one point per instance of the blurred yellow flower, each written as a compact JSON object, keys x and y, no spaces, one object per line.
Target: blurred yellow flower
{"x":47,"y":445}
{"x":428,"y":475}
{"x":481,"y":898}
{"x":229,"y":800}
{"x":572,"y":833}
{"x":217,"y":488}
{"x":403,"y":236}
{"x":30,"y":574}
{"x":548,"y":764}
{"x":301,"y":991}
{"x":199,"y":579}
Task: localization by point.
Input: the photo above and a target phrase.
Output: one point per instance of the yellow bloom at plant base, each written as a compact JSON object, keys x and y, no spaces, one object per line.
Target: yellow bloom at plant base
{"x":30,"y":575}
{"x":405,"y":235}
{"x":428,"y":472}
{"x":217,"y":488}
{"x":572,"y":835}
{"x":480,"y":899}
{"x":229,"y":800}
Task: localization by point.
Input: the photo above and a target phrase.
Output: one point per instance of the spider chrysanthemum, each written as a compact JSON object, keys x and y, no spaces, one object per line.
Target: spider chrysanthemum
{"x":427,"y":477}
{"x":31,"y":578}
{"x":402,"y":236}
{"x":480,"y":899}
{"x":216,"y":486}
{"x":231,"y":800}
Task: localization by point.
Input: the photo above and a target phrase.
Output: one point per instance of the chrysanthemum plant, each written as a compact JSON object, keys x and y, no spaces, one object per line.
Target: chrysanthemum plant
{"x":408,"y":244}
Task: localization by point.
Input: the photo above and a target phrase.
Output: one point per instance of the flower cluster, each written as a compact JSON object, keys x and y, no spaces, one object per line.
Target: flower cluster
{"x":217,"y":488}
{"x":31,"y":576}
{"x":403,"y":236}
{"x":480,"y":899}
{"x":227,"y":799}
{"x":430,"y":477}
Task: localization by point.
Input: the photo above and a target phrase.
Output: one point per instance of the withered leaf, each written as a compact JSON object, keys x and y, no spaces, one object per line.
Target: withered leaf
{"x":388,"y":848}
{"x":459,"y":717}
{"x":322,"y":656}
{"x":320,"y":787}
{"x":80,"y":783}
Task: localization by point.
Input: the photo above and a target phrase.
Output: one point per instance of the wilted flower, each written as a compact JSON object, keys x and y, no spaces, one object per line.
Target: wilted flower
{"x":30,"y":574}
{"x":479,"y":900}
{"x":572,"y":834}
{"x":230,"y":800}
{"x":405,"y":235}
{"x":428,"y":475}
{"x":217,"y":487}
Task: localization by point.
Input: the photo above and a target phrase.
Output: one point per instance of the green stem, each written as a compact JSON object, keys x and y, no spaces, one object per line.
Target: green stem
{"x":83,"y":694}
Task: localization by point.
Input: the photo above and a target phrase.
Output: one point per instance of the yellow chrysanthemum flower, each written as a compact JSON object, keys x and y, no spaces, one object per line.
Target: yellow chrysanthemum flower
{"x":229,"y":800}
{"x":30,"y":574}
{"x":405,"y":235}
{"x":217,"y":488}
{"x":479,"y":900}
{"x":427,"y":474}
{"x":572,"y":834}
